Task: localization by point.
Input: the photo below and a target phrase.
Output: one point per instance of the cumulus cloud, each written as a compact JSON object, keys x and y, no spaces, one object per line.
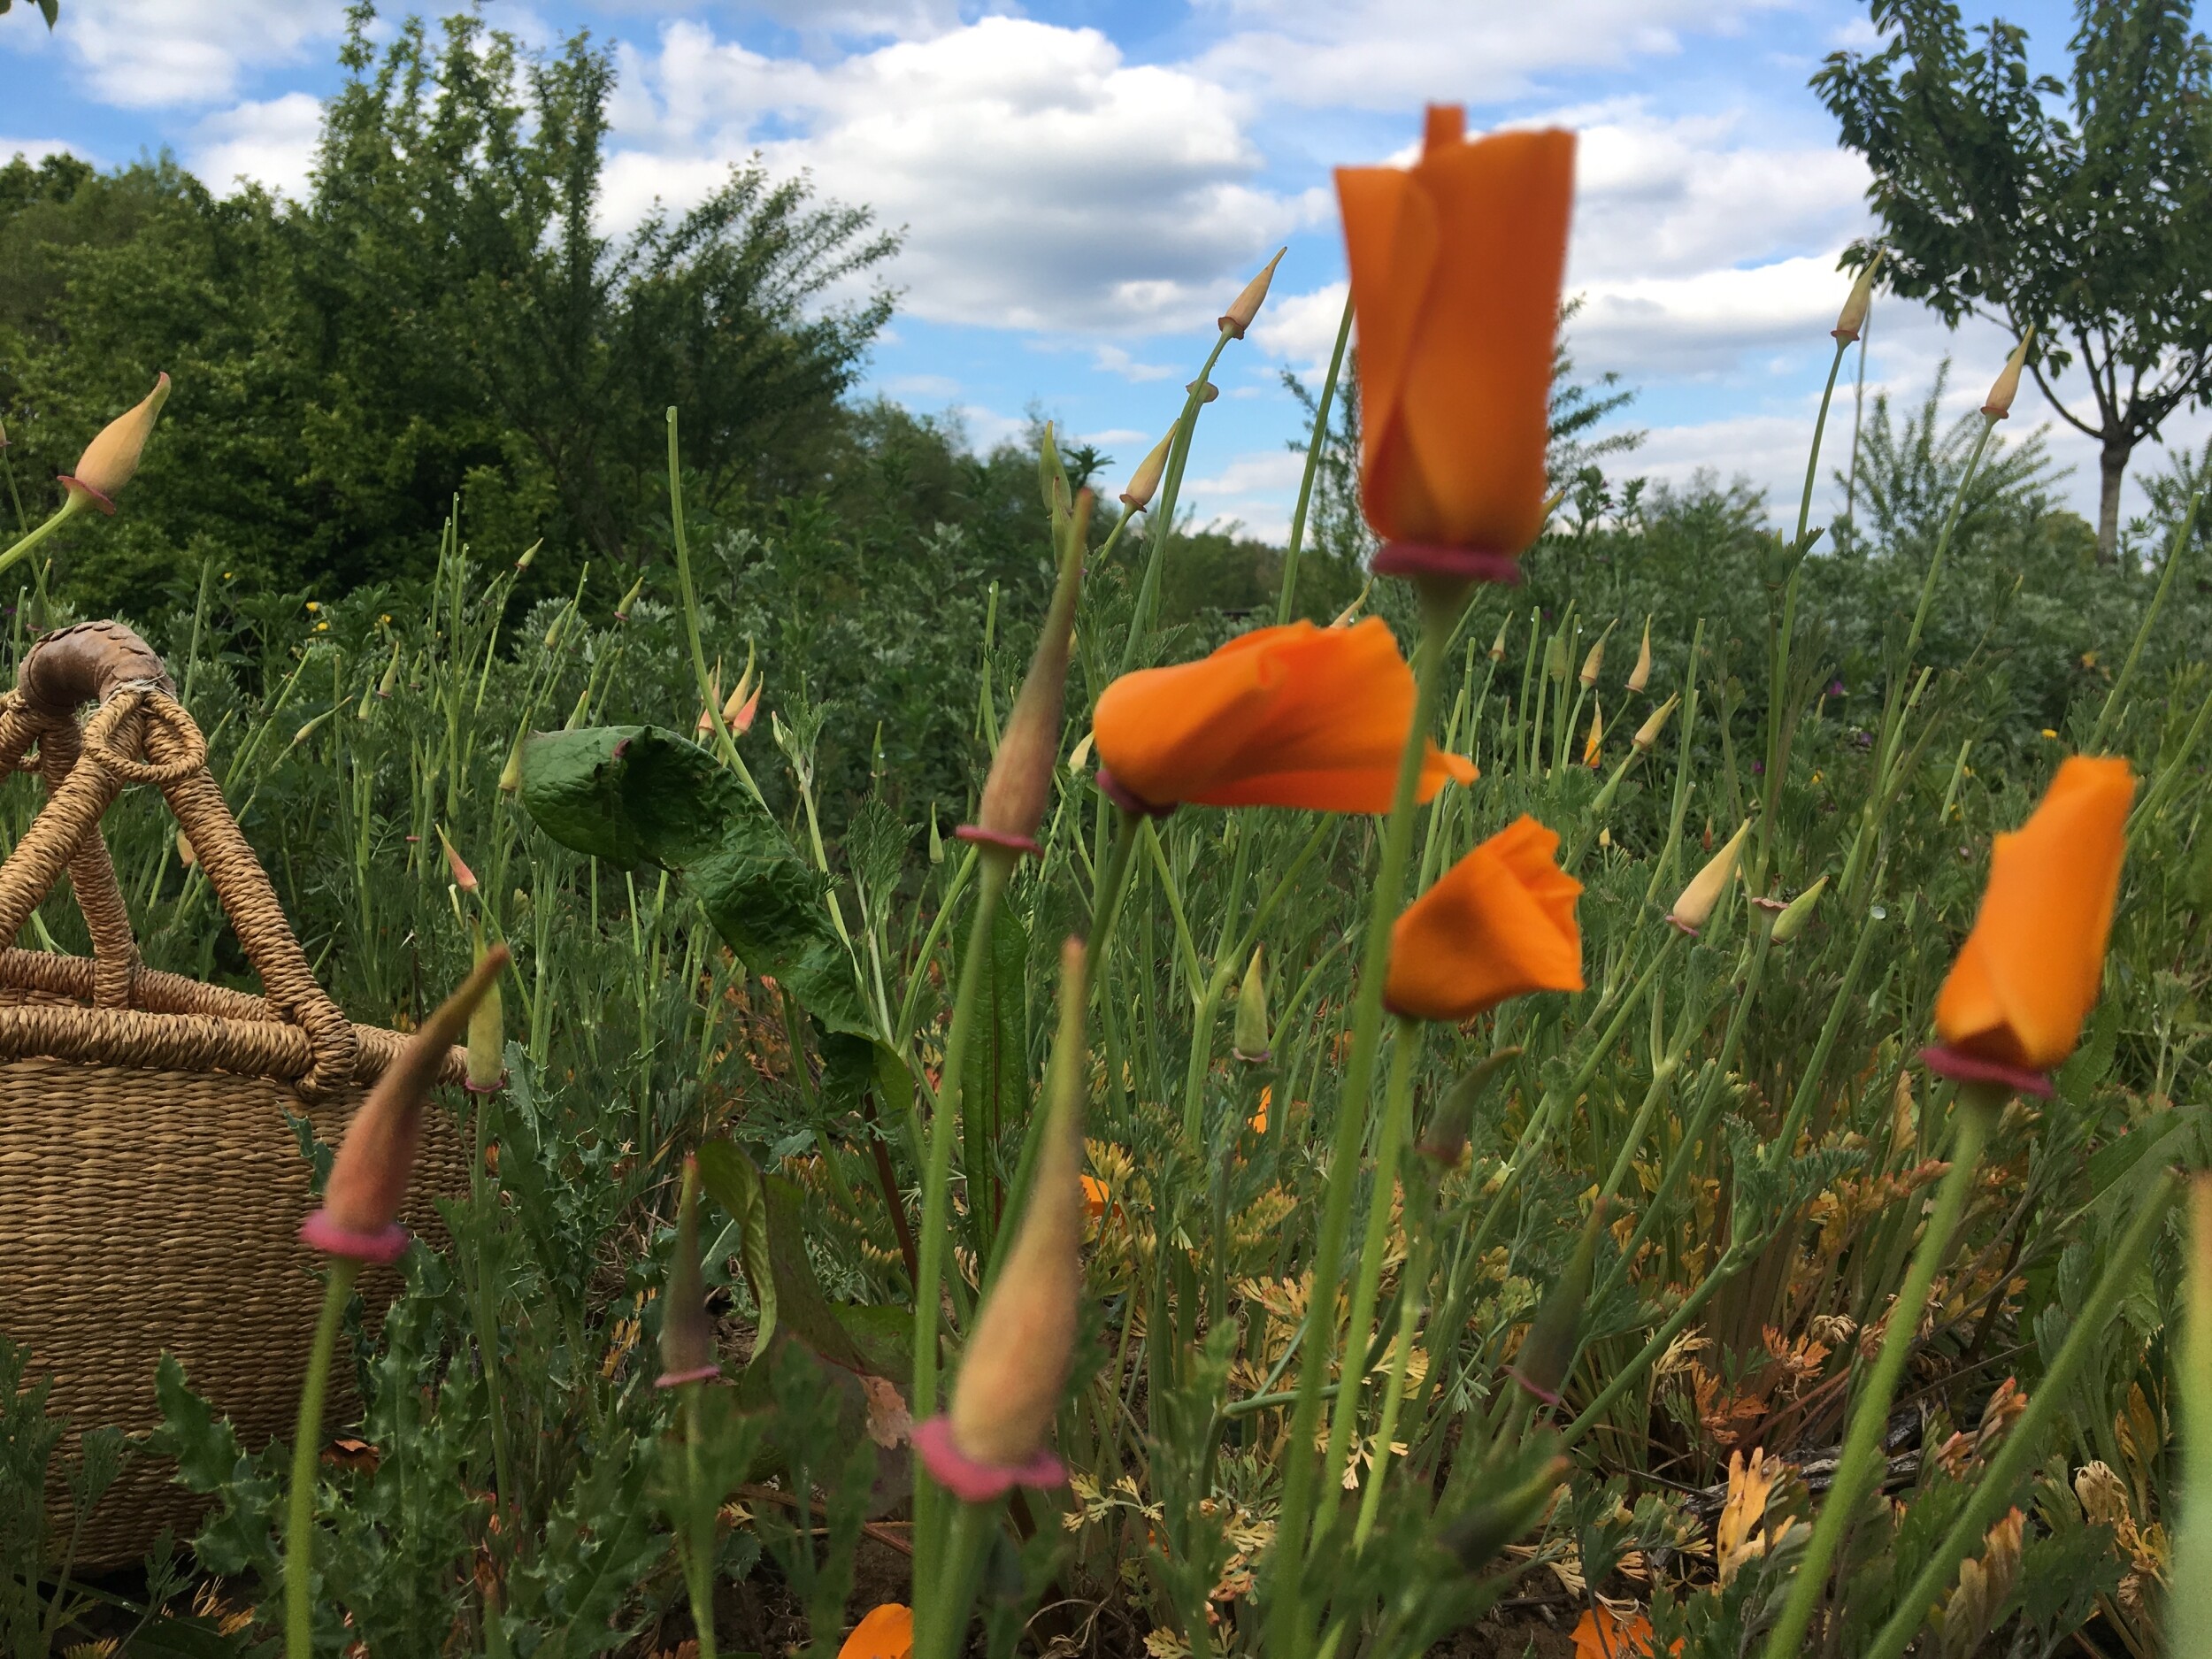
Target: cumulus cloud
{"x":1043,"y":181}
{"x":145,"y":54}
{"x":1116,"y":360}
{"x":1390,"y":54}
{"x":270,"y":143}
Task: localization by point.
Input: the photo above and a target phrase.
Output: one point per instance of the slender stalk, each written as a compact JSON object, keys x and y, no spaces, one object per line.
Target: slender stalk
{"x":699,"y":1524}
{"x":1855,"y":1470}
{"x":70,"y":508}
{"x":942,"y":1603}
{"x":2174,"y":551}
{"x":723,"y":741}
{"x":1313,"y":466}
{"x":2189,"y":1608}
{"x":299,"y":1530}
{"x":1289,"y":1635}
{"x":2024,"y":1438}
{"x":1161,"y":512}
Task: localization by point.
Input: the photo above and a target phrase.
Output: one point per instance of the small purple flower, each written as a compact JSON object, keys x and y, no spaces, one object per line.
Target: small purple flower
{"x":1835,"y":687}
{"x":1758,"y":769}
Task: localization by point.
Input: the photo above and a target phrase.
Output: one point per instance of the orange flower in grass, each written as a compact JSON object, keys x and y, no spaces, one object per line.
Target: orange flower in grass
{"x":1499,"y":923}
{"x":1455,"y":265}
{"x":2028,"y":974}
{"x":887,"y":1633}
{"x":1293,"y":717}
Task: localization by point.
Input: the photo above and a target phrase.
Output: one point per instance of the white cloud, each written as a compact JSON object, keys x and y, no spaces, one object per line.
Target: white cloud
{"x":1043,"y":182}
{"x":271,"y":143}
{"x":922,"y":386}
{"x":1116,"y":360}
{"x":157,"y":53}
{"x":37,"y":150}
{"x":1253,"y":490}
{"x":1391,"y":54}
{"x":986,"y":428}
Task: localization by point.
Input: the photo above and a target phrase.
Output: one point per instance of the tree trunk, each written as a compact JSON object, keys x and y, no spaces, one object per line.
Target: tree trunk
{"x":2112,"y":468}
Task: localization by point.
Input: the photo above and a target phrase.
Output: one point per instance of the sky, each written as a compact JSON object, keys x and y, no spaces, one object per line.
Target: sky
{"x":1083,"y":185}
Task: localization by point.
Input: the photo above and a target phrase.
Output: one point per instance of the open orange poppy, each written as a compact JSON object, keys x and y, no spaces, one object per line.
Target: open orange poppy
{"x":2028,"y":974}
{"x":1455,"y":265}
{"x":1295,"y":717}
{"x":1499,"y":923}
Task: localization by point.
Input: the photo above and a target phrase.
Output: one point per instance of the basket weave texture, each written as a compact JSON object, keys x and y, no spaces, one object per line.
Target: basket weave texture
{"x":152,"y":1184}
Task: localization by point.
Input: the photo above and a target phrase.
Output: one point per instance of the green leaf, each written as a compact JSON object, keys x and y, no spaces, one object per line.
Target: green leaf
{"x":733,"y":1182}
{"x":634,"y":794}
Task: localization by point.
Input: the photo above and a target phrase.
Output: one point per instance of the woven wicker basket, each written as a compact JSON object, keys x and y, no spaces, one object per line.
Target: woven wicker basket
{"x":150,"y":1182}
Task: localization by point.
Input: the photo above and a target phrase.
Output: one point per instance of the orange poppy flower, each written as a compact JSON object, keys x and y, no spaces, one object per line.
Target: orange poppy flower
{"x":1456,"y":267}
{"x":1601,"y":1633}
{"x":1295,"y":716}
{"x":1499,"y":923}
{"x":887,"y":1633}
{"x":2028,"y":974}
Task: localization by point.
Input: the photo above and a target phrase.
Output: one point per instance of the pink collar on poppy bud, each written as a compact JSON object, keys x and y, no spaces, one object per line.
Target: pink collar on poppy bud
{"x":1127,"y":799}
{"x":973,"y":1482}
{"x":76,"y":487}
{"x":1456,"y":563}
{"x":1001,"y":839}
{"x":319,"y":1231}
{"x":677,"y":1378}
{"x":1962,"y":1067}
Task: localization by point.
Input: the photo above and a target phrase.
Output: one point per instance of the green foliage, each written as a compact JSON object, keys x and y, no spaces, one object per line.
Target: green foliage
{"x":2093,"y":230}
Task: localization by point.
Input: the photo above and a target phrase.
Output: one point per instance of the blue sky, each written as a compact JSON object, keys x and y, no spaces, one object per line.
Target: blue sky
{"x":1085,"y":183}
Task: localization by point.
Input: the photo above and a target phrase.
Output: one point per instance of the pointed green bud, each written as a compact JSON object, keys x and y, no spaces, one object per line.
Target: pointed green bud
{"x":1250,"y":1044}
{"x":1797,"y":912}
{"x":1445,"y":1139}
{"x":488,"y":1038}
{"x":622,"y":611}
{"x":1540,"y":1366}
{"x":686,"y":1329}
{"x":936,"y":841}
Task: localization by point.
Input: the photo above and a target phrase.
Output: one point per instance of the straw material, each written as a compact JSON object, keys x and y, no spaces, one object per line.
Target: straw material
{"x":152,"y":1181}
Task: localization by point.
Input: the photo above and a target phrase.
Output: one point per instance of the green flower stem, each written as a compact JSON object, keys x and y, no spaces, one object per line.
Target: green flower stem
{"x":1161,"y":514}
{"x":307,"y":1437}
{"x":700,"y":1520}
{"x":2189,"y":1608}
{"x":2022,"y":1443}
{"x":1733,"y":1261}
{"x":942,"y":1603}
{"x":723,"y":741}
{"x":1289,"y":1634}
{"x":1390,"y":1135}
{"x":1412,"y":1303}
{"x":1668,"y":854}
{"x":1313,"y":466}
{"x":1855,"y":1471}
{"x":2179,"y":545}
{"x":937,"y":1200}
{"x":71,"y":506}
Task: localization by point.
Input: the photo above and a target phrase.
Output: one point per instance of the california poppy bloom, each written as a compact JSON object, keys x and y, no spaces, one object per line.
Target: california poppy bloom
{"x":1456,"y":267}
{"x":1295,"y":716}
{"x":887,"y":1633}
{"x":2029,"y":972}
{"x":1499,"y":923}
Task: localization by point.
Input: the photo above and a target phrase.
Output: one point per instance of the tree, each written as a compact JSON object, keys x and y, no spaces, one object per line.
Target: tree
{"x":2083,"y":209}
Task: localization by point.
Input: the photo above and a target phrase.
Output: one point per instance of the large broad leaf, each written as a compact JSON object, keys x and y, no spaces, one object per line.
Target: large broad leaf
{"x":638,"y":795}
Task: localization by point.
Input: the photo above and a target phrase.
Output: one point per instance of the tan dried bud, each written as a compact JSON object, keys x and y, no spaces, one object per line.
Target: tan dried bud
{"x":1856,"y":304}
{"x":1998,"y":405}
{"x":1246,"y":306}
{"x":1497,"y":646}
{"x":1593,"y":665}
{"x":1210,"y":390}
{"x":1656,"y":722}
{"x":1695,"y":906}
{"x":1145,"y":482}
{"x":111,"y":460}
{"x":1639,"y":676}
{"x":1020,"y":785}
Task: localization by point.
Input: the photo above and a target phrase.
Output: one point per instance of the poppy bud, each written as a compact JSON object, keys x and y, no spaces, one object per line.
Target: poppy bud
{"x":529,"y":553}
{"x":1999,"y":404}
{"x":464,"y":877}
{"x":622,"y":609}
{"x":1145,"y":482}
{"x":1082,"y":756}
{"x":1008,"y":1391}
{"x":1497,"y":646}
{"x":390,"y":682}
{"x":1020,"y":784}
{"x":186,"y":854}
{"x":1210,"y":390}
{"x":1639,"y":676}
{"x":1479,"y":1533}
{"x":1250,"y":1043}
{"x":1594,"y":663}
{"x":1655,"y":723}
{"x":1797,"y":912}
{"x":1696,"y":903}
{"x":111,"y":460}
{"x":1549,"y":1348}
{"x":742,"y":694}
{"x":1556,"y":658}
{"x":511,"y":774}
{"x":1246,"y":306}
{"x":1445,"y":1139}
{"x":359,"y":1216}
{"x":1852,"y":319}
{"x":687,"y":1328}
{"x":1592,"y":748}
{"x":936,"y":841}
{"x":1052,"y":477}
{"x":487,"y":1043}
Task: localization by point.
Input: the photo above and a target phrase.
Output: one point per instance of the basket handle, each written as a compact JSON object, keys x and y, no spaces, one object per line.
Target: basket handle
{"x":139,"y":716}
